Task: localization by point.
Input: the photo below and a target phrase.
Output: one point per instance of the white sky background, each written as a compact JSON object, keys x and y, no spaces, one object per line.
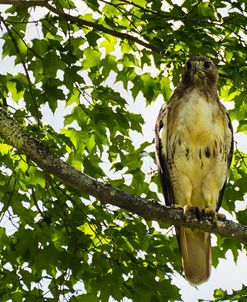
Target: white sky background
{"x":227,"y":275}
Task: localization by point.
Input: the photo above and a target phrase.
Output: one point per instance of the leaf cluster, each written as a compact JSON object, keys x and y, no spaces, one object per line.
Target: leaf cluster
{"x":88,"y":63}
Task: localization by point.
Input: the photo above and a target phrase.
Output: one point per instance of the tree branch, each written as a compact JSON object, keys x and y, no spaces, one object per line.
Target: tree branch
{"x":23,"y":2}
{"x":99,"y":27}
{"x":81,"y":22}
{"x":46,"y":159}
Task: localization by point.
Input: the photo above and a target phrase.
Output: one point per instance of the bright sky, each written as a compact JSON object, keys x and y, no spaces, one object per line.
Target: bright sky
{"x":227,"y":275}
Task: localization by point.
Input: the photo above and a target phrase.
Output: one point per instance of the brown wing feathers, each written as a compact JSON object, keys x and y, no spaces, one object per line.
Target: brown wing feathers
{"x":161,"y":159}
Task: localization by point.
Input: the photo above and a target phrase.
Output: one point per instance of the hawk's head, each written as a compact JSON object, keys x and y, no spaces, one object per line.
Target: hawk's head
{"x":200,"y":71}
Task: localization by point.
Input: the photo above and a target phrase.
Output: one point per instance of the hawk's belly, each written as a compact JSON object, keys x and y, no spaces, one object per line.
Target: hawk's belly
{"x":196,"y":152}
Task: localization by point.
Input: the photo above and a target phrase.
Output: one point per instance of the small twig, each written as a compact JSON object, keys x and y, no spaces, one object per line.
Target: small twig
{"x":125,"y":14}
{"x":81,"y":22}
{"x":99,"y":27}
{"x":28,"y":48}
{"x":242,"y":157}
{"x":193,"y":8}
{"x":143,"y":8}
{"x":24,"y":66}
{"x":6,"y":203}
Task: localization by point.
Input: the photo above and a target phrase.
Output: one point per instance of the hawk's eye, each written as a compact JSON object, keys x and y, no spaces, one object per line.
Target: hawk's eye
{"x":188,"y":65}
{"x":207,"y":64}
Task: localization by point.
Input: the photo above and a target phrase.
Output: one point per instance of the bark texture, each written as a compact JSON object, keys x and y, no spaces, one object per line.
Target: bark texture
{"x":46,"y":159}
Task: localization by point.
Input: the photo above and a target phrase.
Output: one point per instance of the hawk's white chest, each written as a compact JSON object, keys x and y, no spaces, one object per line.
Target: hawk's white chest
{"x":196,"y":119}
{"x":193,"y":143}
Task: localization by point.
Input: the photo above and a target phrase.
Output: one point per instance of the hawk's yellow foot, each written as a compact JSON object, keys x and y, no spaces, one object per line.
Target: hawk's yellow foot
{"x":177,"y":206}
{"x":190,"y":208}
{"x":220,"y":216}
{"x":209,"y":214}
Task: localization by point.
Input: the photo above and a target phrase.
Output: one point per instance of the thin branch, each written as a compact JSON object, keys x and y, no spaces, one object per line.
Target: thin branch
{"x":126,"y":14}
{"x":24,"y":66}
{"x":242,"y":158}
{"x":46,"y":159}
{"x":144,"y":9}
{"x":24,"y":2}
{"x":28,"y":48}
{"x":99,"y":27}
{"x":81,"y":22}
{"x":139,"y":6}
{"x":193,"y":8}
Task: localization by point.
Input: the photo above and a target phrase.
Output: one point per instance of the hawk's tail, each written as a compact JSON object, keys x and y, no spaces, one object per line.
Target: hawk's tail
{"x":195,"y":248}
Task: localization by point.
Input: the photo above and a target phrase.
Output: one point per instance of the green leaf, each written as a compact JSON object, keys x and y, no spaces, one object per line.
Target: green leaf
{"x":51,"y":64}
{"x":165,"y":88}
{"x":108,"y":43}
{"x":92,"y":58}
{"x":93,"y":4}
{"x":12,"y":87}
{"x":36,"y":177}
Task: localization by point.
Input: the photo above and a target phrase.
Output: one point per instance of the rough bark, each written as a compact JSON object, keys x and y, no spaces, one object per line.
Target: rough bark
{"x":46,"y":159}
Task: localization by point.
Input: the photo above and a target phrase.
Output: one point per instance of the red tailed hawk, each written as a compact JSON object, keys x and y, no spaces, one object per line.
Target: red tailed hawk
{"x":194,"y":145}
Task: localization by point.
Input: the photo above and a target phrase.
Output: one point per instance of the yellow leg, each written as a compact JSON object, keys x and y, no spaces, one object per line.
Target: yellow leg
{"x":188,"y":206}
{"x":208,"y":210}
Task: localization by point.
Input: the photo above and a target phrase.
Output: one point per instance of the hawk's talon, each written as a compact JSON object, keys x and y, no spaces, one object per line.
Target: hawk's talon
{"x":209,"y":214}
{"x":188,"y":208}
{"x":220,"y":216}
{"x":177,"y":206}
{"x":191,"y":209}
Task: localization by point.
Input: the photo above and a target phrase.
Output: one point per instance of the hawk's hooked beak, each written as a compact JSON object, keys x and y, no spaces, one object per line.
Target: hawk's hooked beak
{"x":195,"y":69}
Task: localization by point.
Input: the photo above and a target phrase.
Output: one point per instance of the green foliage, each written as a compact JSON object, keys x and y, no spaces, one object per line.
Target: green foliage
{"x":57,"y":244}
{"x":239,"y":295}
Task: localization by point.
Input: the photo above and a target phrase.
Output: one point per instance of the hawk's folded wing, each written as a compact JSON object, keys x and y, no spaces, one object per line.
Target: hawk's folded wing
{"x":161,"y":159}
